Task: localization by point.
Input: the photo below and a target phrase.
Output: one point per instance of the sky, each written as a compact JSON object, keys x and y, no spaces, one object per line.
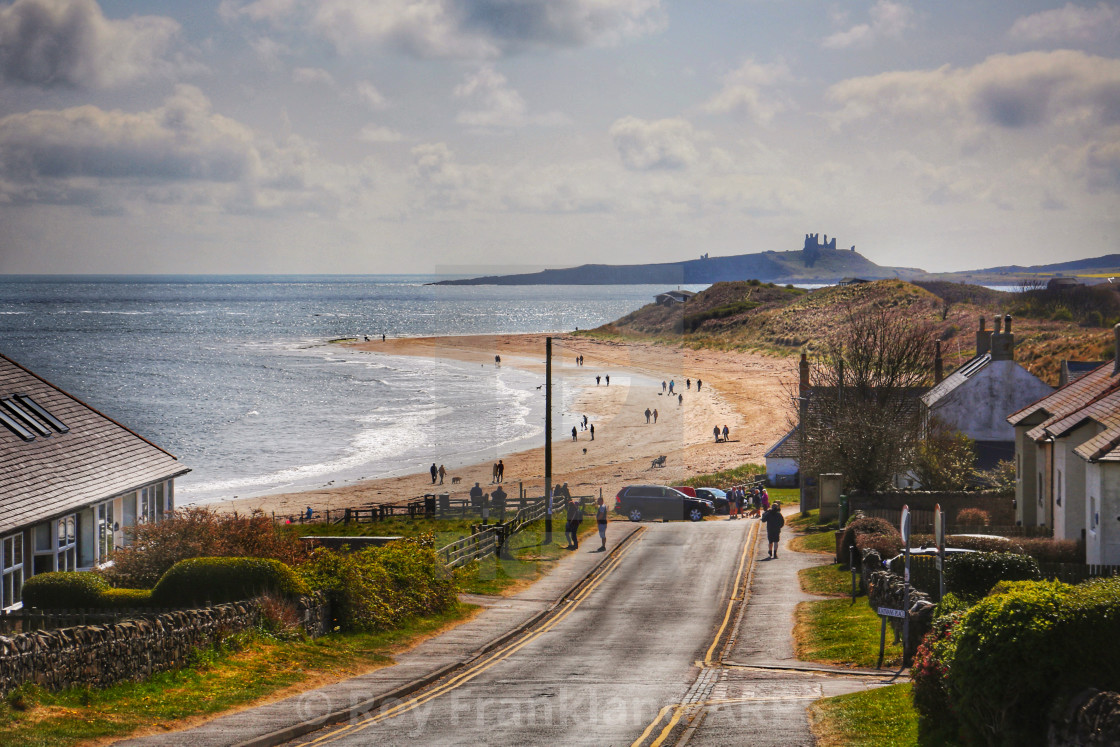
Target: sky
{"x":479,"y":136}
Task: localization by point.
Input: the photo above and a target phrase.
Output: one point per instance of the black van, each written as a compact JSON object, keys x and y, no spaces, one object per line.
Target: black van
{"x":637,"y":502}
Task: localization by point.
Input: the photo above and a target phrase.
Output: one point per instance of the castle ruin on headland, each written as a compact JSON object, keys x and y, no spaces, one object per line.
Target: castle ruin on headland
{"x":812,"y":241}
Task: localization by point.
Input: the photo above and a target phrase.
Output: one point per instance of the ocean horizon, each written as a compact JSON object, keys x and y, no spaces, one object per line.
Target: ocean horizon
{"x":235,"y":374}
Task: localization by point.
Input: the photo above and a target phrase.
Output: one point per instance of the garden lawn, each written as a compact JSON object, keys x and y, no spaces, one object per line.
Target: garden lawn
{"x":882,"y":717}
{"x":245,"y":669}
{"x":842,"y":633}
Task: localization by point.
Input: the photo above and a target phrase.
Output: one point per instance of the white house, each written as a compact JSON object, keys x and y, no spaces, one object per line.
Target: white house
{"x":1068,"y":462}
{"x":72,"y":480}
{"x":977,"y":398}
{"x":782,"y":460}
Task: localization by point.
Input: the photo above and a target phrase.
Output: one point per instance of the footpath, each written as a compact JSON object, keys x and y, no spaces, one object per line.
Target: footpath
{"x":501,"y":618}
{"x":762,"y":692}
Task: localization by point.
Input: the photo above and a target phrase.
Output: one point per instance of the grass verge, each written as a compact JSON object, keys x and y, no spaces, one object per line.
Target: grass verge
{"x":838,"y":632}
{"x":245,"y":669}
{"x":882,"y":717}
{"x":821,"y":543}
{"x":826,"y":580}
{"x":531,"y":558}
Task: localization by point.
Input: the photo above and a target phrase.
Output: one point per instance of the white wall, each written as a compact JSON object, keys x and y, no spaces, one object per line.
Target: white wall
{"x":1102,"y":487}
{"x":1026,"y":482}
{"x":979,"y":407}
{"x":1069,"y":483}
{"x":780,"y":466}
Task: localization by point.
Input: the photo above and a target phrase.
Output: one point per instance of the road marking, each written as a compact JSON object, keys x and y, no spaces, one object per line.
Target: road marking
{"x":747,"y":550}
{"x":680,"y":709}
{"x":476,"y":669}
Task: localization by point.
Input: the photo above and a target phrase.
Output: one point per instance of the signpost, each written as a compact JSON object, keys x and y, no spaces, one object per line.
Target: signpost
{"x":939,"y":539}
{"x":884,"y":613}
{"x":905,"y":530}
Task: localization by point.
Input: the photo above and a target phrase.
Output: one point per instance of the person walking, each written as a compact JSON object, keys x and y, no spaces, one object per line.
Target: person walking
{"x":592,"y":427}
{"x":680,"y":400}
{"x":574,"y":433}
{"x":655,"y":415}
{"x":574,"y":519}
{"x":501,"y":471}
{"x":442,"y":474}
{"x":715,"y":432}
{"x":608,"y":379}
{"x":435,"y":472}
{"x":774,"y":522}
{"x":671,"y":382}
{"x":698,"y":384}
{"x":648,"y":413}
{"x":601,"y":522}
{"x":726,"y":433}
{"x":494,"y":473}
{"x":663,"y":387}
{"x":688,"y":383}
{"x":596,"y":381}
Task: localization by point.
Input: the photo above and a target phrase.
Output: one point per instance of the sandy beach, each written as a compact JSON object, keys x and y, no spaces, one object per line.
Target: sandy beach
{"x":747,"y":392}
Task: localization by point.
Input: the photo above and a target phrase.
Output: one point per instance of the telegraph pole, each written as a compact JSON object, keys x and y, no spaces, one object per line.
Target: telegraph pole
{"x":548,"y":438}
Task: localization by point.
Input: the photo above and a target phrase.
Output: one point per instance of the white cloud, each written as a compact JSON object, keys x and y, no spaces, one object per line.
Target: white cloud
{"x":180,"y":151}
{"x":888,"y":20}
{"x":663,"y":144}
{"x":496,"y":104}
{"x":1005,"y":91}
{"x":1071,"y":23}
{"x":461,"y":29}
{"x":70,"y":43}
{"x":313,"y":76}
{"x":368,"y":94}
{"x":746,"y":90}
{"x":375,"y":134}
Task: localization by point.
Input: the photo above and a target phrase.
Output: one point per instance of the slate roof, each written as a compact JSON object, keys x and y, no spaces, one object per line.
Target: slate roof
{"x":96,"y":459}
{"x":969,"y":369}
{"x":788,"y":447}
{"x":1093,"y":397}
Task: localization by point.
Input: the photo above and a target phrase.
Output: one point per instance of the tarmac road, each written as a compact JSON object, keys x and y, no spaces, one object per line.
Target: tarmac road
{"x":600,"y":670}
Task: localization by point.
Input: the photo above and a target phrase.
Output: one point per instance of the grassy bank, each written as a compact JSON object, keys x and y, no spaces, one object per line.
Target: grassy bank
{"x":245,"y":669}
{"x":883,"y":717}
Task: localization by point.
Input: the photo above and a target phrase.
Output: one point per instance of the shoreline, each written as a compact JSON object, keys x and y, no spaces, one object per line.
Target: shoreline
{"x":748,"y":392}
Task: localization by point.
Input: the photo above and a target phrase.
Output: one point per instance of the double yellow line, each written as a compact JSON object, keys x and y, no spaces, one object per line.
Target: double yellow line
{"x":680,"y":709}
{"x":476,"y":669}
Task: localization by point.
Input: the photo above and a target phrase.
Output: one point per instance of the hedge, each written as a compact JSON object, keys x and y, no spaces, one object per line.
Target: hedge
{"x":64,"y":590}
{"x":126,"y":598}
{"x":1021,"y":654}
{"x":200,"y":580}
{"x":859,"y":533}
{"x":379,"y":588}
{"x":972,"y":575}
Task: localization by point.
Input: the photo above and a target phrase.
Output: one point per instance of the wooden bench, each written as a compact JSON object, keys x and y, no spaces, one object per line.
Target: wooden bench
{"x":658,"y":462}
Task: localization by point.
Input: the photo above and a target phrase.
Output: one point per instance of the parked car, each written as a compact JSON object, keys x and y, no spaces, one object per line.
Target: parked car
{"x":637,"y":502}
{"x":716,"y":496}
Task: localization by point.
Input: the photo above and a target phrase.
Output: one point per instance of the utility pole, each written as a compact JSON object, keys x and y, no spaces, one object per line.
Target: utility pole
{"x":548,"y":438}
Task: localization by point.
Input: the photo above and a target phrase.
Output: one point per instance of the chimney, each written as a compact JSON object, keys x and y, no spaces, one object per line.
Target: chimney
{"x":983,"y":339}
{"x":1116,"y":349}
{"x":803,"y":389}
{"x":1003,"y":345}
{"x":938,"y":367}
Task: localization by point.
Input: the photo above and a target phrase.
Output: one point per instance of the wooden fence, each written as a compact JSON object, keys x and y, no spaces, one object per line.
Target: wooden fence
{"x":921,"y":522}
{"x":490,"y":540}
{"x":31,"y":618}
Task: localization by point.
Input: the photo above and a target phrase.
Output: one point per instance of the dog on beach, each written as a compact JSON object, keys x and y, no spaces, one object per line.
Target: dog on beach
{"x":456,"y":480}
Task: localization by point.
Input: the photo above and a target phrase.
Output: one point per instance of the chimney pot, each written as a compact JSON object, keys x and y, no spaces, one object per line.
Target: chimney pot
{"x":1007,"y":324}
{"x":983,"y":338}
{"x":997,"y":323}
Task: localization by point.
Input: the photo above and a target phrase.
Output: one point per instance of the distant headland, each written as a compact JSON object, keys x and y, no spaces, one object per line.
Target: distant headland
{"x":816,"y":262}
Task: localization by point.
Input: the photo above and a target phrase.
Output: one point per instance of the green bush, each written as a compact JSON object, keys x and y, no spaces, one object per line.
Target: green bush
{"x":929,"y":675}
{"x":64,"y":590}
{"x":126,"y":598}
{"x":1021,"y":654}
{"x":867,"y":526}
{"x":972,"y":575}
{"x":381,"y":587}
{"x":199,"y":580}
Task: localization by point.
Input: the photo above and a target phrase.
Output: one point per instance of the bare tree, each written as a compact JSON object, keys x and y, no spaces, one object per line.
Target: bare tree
{"x":862,"y":416}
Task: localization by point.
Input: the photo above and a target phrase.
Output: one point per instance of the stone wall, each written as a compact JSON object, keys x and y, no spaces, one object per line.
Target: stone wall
{"x":886,"y":589}
{"x":134,"y":649}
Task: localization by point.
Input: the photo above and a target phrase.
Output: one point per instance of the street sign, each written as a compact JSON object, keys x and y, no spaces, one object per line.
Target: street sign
{"x":891,"y":612}
{"x":938,"y":527}
{"x":904,"y":526}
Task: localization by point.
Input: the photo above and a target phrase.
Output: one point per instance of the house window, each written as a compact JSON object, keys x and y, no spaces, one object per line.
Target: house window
{"x":56,"y":545}
{"x":104,"y":531}
{"x":155,"y":502}
{"x":11,"y":571}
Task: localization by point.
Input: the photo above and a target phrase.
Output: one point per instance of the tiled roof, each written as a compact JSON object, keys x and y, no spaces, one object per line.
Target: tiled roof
{"x":96,"y":459}
{"x":1093,"y":397}
{"x":788,"y":447}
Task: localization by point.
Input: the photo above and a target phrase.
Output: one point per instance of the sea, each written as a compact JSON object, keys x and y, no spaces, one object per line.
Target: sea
{"x":238,"y":378}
